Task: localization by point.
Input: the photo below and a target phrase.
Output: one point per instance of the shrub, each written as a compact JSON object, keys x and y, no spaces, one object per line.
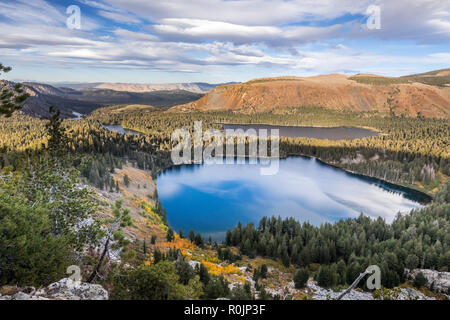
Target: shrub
{"x":154,"y":282}
{"x":301,"y":278}
{"x":217,"y":288}
{"x":420,"y":280}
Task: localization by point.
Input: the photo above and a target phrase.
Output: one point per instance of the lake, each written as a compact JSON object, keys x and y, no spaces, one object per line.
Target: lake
{"x":331,"y":133}
{"x":213,"y":198}
{"x":119,"y":129}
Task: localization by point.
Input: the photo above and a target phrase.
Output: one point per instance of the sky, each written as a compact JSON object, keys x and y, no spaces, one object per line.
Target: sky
{"x":216,"y":41}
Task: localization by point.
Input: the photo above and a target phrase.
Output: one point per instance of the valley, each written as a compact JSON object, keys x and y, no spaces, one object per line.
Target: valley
{"x":231,"y":234}
{"x":225,"y":159}
{"x":85,"y":99}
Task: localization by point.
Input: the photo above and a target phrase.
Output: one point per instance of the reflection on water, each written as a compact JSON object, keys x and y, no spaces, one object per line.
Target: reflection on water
{"x":332,"y":133}
{"x":212,"y":198}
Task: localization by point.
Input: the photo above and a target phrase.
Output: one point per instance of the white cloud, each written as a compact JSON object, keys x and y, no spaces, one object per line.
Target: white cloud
{"x":119,"y":17}
{"x":244,"y":12}
{"x":131,"y":35}
{"x":37,"y":12}
{"x":442,"y":57}
{"x":296,"y":37}
{"x":200,"y":30}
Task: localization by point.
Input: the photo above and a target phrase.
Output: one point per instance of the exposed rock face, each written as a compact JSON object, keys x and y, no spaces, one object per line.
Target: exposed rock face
{"x":334,"y":91}
{"x":439,"y":280}
{"x":326,"y":294}
{"x":65,"y":289}
{"x":22,"y":296}
{"x":395,"y":294}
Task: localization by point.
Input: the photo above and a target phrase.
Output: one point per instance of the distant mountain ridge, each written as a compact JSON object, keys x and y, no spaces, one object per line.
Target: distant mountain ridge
{"x":425,"y":94}
{"x":195,"y":87}
{"x":71,"y":102}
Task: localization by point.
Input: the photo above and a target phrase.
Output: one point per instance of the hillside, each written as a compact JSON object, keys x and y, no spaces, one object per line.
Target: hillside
{"x":43,"y":96}
{"x":161,"y":99}
{"x":71,"y":102}
{"x":401,"y":96}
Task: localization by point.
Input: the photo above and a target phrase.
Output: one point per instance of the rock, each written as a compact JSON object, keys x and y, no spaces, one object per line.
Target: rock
{"x":66,"y":289}
{"x":326,"y":294}
{"x":194,"y":263}
{"x":391,"y":294}
{"x":411,"y":294}
{"x":440,"y":280}
{"x":9,"y":290}
{"x":24,"y":296}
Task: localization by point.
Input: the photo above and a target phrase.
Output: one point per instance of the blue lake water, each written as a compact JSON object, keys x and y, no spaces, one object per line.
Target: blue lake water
{"x":213,"y":198}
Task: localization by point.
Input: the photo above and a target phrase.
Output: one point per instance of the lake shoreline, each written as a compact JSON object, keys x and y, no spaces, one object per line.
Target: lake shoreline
{"x":365,"y":176}
{"x":429,"y":198}
{"x":333,"y":133}
{"x":334,"y":185}
{"x":420,"y":194}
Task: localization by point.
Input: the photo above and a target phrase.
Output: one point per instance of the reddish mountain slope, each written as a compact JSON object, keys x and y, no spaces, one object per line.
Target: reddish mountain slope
{"x":358,"y":93}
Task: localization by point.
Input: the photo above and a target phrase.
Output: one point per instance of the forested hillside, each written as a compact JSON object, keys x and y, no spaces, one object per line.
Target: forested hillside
{"x":420,"y":239}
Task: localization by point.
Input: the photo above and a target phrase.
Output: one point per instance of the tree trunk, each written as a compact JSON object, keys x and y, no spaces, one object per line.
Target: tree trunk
{"x":354,"y":284}
{"x":105,"y":250}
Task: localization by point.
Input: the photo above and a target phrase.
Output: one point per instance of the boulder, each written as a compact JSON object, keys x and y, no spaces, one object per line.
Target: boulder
{"x":439,"y":280}
{"x":65,"y":289}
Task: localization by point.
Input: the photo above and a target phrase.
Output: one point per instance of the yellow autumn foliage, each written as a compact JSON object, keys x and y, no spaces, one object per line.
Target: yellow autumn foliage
{"x":218,"y":270}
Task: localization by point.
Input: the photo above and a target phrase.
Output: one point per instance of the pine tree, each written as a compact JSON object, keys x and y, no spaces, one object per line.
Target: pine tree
{"x":11,"y":99}
{"x":192,"y":235}
{"x":170,"y":235}
{"x":126,"y":180}
{"x":144,"y":247}
{"x":198,"y":240}
{"x":114,"y":225}
{"x":204,"y":274}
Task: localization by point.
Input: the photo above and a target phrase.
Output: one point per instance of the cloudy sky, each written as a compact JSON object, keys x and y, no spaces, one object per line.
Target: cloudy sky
{"x":155,"y":41}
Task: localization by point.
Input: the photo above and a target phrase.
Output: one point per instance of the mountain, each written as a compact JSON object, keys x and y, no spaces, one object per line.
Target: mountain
{"x":73,"y":102}
{"x":160,"y":98}
{"x":425,"y":94}
{"x":436,"y":77}
{"x":195,"y":87}
{"x":43,"y":96}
